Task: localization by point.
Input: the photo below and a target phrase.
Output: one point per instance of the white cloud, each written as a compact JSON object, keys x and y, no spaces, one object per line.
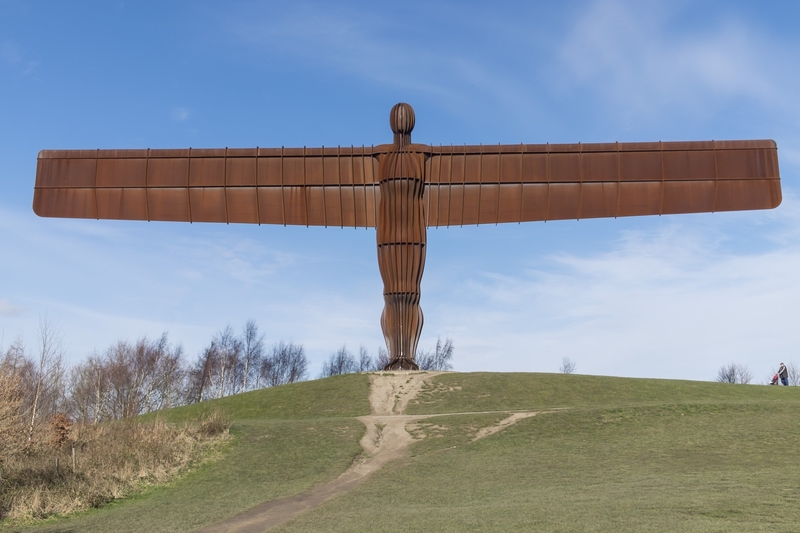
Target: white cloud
{"x":8,"y":309}
{"x":636,"y":53}
{"x":669,"y":303}
{"x":180,"y":114}
{"x":11,"y":54}
{"x":378,"y":47}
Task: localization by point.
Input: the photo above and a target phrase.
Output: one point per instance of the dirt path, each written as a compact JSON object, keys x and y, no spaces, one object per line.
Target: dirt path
{"x":385,"y":440}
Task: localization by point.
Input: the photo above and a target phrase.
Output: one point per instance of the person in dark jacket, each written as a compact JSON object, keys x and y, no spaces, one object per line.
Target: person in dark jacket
{"x":783,"y":372}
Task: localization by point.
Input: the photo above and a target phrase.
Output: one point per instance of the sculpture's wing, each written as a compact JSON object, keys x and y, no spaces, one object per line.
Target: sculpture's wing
{"x":517,"y":183}
{"x":299,"y":186}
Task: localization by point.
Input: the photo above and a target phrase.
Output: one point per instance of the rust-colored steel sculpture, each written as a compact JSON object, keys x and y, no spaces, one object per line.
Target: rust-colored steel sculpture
{"x":402,"y":188}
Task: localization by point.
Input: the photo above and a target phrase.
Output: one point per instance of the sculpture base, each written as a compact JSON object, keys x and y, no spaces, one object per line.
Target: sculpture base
{"x":402,"y":364}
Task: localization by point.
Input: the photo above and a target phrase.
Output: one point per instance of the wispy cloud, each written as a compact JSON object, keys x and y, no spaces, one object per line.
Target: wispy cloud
{"x":8,"y":309}
{"x":636,"y":52}
{"x":11,"y":55}
{"x":179,"y":114}
{"x":671,"y":303}
{"x":376,"y":47}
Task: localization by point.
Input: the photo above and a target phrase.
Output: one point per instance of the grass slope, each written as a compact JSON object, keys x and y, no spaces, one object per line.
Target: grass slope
{"x":611,"y":454}
{"x":286,"y":439}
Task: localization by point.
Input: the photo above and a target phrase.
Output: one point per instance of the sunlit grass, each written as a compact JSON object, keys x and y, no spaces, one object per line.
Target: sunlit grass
{"x":677,"y":467}
{"x":604,"y":454}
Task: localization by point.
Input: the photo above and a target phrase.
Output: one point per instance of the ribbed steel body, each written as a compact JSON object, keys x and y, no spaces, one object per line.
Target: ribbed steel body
{"x":401,"y":234}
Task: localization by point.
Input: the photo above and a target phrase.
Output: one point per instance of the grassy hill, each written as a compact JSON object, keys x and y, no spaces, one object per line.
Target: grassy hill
{"x":604,"y":454}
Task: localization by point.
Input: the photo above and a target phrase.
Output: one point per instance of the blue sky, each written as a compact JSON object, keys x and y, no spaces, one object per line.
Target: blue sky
{"x":664,"y":297}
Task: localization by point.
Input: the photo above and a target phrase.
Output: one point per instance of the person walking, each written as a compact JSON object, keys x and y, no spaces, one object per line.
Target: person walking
{"x":783,"y":372}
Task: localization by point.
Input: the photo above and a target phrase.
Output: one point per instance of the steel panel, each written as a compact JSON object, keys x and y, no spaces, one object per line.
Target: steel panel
{"x":65,"y":173}
{"x":65,"y":203}
{"x":275,"y":207}
{"x":121,"y":172}
{"x":598,"y":200}
{"x":693,"y":145}
{"x":313,"y":171}
{"x":455,"y":208}
{"x":490,"y":168}
{"x":170,"y":153}
{"x":128,"y":203}
{"x":690,"y":165}
{"x":240,"y":171}
{"x":534,"y":168}
{"x":509,"y":202}
{"x":511,"y":168}
{"x":563,"y":201}
{"x":564,"y":168}
{"x":208,"y":204}
{"x":167,"y":172}
{"x":534,"y":202}
{"x":640,"y":166}
{"x":488,"y":197}
{"x":347,"y":205}
{"x":170,"y":204}
{"x":136,"y":153}
{"x":599,"y":166}
{"x":207,"y":172}
{"x":372,"y":197}
{"x":332,"y":171}
{"x":471,"y":171}
{"x":639,"y":198}
{"x":470,"y":209}
{"x":294,"y":202}
{"x":345,"y":170}
{"x":315,"y":199}
{"x":333,"y":206}
{"x":688,"y":197}
{"x":243,"y":152}
{"x":214,"y":153}
{"x":744,"y":164}
{"x":242,"y":204}
{"x":432,"y":203}
{"x":67,"y":154}
{"x":736,"y":195}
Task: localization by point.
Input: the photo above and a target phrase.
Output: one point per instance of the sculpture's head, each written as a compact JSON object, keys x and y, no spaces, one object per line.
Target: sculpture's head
{"x":401,"y":120}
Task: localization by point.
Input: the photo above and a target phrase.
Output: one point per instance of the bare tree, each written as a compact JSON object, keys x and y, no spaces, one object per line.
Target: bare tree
{"x":734,"y":373}
{"x":365,"y":363}
{"x":340,"y":362}
{"x":381,"y":359}
{"x":285,"y":363}
{"x":199,"y":381}
{"x":439,"y":359}
{"x":252,"y":354}
{"x":89,"y":390}
{"x":226,"y":372}
{"x":567,"y":366}
{"x":128,"y":380}
{"x":48,"y":391}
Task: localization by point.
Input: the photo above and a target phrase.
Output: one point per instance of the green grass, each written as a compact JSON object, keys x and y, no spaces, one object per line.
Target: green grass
{"x":481,"y":391}
{"x":286,"y":439}
{"x":339,"y":396}
{"x":690,"y":467}
{"x":613,"y":454}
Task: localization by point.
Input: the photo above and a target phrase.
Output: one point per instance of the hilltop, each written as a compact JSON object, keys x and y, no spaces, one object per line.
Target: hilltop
{"x":488,"y":452}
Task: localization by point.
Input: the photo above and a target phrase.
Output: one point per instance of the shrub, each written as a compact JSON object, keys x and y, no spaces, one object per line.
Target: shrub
{"x":95,"y":464}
